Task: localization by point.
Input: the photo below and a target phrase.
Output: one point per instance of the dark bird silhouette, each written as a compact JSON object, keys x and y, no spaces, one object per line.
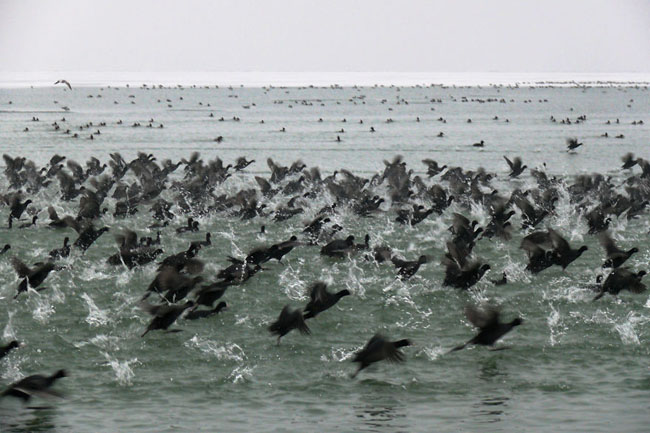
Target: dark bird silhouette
{"x":408,"y":268}
{"x":490,"y":328}
{"x":88,"y":236}
{"x":32,"y":277}
{"x":515,"y":166}
{"x":63,"y":82}
{"x":622,"y":279}
{"x":164,"y":314}
{"x":63,"y":252}
{"x":289,"y":319}
{"x":320,"y":299}
{"x":615,"y":256}
{"x":4,"y":350}
{"x":572,"y":144}
{"x":35,"y":385}
{"x":564,"y":255}
{"x":208,"y":294}
{"x":378,"y":348}
{"x":338,"y":247}
{"x":199,"y":314}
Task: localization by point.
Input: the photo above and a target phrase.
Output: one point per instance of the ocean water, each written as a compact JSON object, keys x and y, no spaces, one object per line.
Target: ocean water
{"x":574,"y":365}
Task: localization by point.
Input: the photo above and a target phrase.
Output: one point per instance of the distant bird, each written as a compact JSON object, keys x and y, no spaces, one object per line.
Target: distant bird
{"x":479,"y":144}
{"x":63,"y":82}
{"x":378,"y":348}
{"x":4,"y":350}
{"x":36,"y":385}
{"x":320,"y":299}
{"x":490,"y":328}
{"x":572,"y":144}
{"x":289,"y":319}
{"x":502,"y":281}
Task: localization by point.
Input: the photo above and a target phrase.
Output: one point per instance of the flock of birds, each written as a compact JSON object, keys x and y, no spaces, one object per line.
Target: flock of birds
{"x":192,"y":188}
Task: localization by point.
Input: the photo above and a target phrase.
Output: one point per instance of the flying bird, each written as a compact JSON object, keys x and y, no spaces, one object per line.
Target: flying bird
{"x":64,"y":82}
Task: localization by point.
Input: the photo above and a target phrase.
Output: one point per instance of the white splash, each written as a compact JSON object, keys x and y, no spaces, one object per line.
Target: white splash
{"x":123,"y":372}
{"x":227,"y":351}
{"x":96,"y":317}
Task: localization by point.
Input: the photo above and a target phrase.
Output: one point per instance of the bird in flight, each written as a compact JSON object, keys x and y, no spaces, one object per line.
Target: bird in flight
{"x":64,"y":82}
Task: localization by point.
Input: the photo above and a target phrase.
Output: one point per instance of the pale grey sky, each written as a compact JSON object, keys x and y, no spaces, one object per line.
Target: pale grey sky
{"x":327,"y":35}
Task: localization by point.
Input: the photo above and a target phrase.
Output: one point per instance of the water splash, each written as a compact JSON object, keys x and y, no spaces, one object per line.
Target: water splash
{"x":227,"y":351}
{"x":122,"y":369}
{"x":96,"y":316}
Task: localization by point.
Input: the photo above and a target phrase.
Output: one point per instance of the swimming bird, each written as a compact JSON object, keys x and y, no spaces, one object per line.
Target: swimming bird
{"x":4,"y":350}
{"x":35,"y":385}
{"x":320,"y":299}
{"x":289,"y":319}
{"x":63,"y":252}
{"x":479,"y":144}
{"x":164,"y":314}
{"x":490,"y":328}
{"x":378,"y":348}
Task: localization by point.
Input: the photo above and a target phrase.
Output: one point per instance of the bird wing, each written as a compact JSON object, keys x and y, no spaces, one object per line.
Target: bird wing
{"x":21,"y":268}
{"x":512,"y":167}
{"x":608,"y":244}
{"x":559,"y":243}
{"x":482,"y":318}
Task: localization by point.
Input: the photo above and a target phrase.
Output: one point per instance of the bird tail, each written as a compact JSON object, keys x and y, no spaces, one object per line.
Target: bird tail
{"x":145,"y":333}
{"x":598,"y":296}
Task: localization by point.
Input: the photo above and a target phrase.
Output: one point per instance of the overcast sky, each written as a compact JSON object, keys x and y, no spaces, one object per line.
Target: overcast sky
{"x":326,"y":35}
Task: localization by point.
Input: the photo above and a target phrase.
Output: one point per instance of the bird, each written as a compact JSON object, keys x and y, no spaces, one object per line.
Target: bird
{"x":320,"y":299}
{"x":408,"y":268}
{"x":564,"y":255}
{"x":4,"y":350}
{"x":615,"y":256}
{"x":490,"y":328}
{"x":63,"y":82}
{"x":572,"y":144}
{"x":622,"y":279}
{"x":32,"y":277}
{"x":199,"y":314}
{"x":289,"y":319}
{"x":378,"y":348}
{"x":35,"y":385}
{"x":63,"y":252}
{"x":516,"y":167}
{"x":164,"y":314}
{"x":338,"y":247}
